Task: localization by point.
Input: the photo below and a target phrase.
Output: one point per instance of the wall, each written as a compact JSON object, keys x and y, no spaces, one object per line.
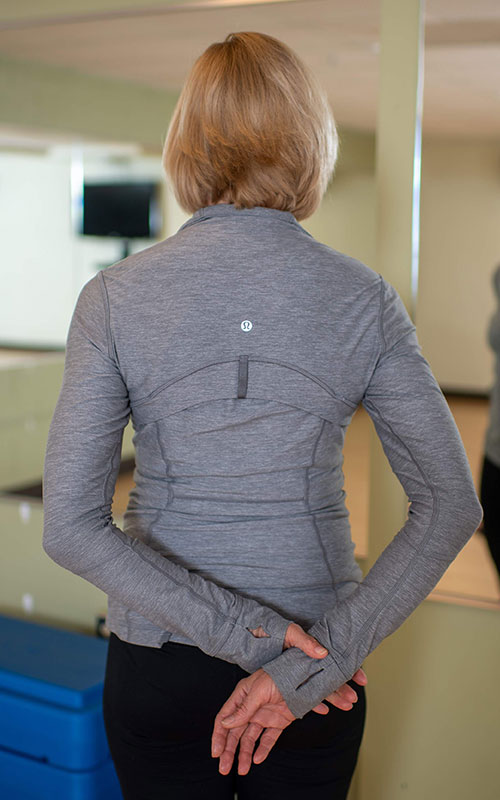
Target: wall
{"x":32,"y":584}
{"x":433,"y":699}
{"x":460,"y":247}
{"x":346,"y":217}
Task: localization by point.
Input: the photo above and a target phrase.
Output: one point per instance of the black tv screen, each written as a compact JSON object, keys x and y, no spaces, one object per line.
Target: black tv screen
{"x":128,"y":210}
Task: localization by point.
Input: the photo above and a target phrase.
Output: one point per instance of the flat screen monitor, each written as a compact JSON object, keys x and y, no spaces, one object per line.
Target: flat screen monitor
{"x":129,"y":210}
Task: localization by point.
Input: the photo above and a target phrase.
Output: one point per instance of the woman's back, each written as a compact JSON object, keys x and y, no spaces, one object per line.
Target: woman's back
{"x":239,"y":432}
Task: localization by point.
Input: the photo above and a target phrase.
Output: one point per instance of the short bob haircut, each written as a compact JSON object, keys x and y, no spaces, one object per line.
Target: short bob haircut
{"x":253,"y":127}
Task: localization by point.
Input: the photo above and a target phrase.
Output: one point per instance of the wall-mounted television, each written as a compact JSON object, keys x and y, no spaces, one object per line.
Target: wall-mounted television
{"x":128,"y":210}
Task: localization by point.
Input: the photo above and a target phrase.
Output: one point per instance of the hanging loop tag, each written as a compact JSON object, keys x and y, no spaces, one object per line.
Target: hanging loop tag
{"x":242,"y":376}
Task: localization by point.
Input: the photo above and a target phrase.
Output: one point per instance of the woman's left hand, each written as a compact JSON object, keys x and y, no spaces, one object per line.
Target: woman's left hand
{"x":257,"y":705}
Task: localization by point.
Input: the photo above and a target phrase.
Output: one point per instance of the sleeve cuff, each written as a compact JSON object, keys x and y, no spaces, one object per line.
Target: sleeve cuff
{"x":304,"y":681}
{"x":251,"y":652}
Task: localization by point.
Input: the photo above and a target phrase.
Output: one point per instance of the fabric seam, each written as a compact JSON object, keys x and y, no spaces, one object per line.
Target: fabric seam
{"x":248,"y":399}
{"x":308,"y":506}
{"x":107,"y":312}
{"x":335,"y":395}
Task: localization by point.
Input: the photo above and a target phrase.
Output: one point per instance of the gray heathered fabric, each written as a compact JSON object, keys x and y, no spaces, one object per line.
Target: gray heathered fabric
{"x":492,"y":439}
{"x":238,"y":517}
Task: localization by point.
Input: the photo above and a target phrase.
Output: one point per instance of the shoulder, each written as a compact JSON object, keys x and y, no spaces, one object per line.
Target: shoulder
{"x":132,"y":279}
{"x":346,"y":268}
{"x":349,"y":276}
{"x":139,"y":263}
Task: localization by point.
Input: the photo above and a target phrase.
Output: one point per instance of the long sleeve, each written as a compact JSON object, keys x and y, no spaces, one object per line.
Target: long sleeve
{"x":81,"y":465}
{"x":424,"y":449}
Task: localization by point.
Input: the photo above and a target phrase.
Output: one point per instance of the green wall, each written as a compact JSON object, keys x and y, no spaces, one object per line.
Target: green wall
{"x":29,"y":394}
{"x":48,"y":98}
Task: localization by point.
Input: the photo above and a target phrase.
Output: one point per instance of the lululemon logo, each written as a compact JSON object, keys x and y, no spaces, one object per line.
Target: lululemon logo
{"x":246,"y":325}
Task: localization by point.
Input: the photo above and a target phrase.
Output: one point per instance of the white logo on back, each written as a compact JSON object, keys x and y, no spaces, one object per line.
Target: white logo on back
{"x":246,"y":325}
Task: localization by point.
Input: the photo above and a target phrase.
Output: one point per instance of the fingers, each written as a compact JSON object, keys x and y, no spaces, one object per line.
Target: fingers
{"x":297,"y":637}
{"x":260,"y":691}
{"x":249,"y":737}
{"x":271,"y":716}
{"x":219,"y":740}
{"x":343,"y":697}
{"x":227,"y":757}
{"x":258,"y":632}
{"x":266,"y":743}
{"x":220,"y":732}
{"x":219,"y":737}
{"x":242,"y":714}
{"x":234,"y":700}
{"x":321,"y":709}
{"x":360,"y":677}
{"x":247,"y":744}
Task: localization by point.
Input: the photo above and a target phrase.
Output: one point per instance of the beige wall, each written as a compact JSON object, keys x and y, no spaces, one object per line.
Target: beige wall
{"x":346,"y":218}
{"x":460,"y":246}
{"x":433,"y":701}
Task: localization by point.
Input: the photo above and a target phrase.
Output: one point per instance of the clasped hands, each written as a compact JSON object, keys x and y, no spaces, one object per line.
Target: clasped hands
{"x":256,"y":708}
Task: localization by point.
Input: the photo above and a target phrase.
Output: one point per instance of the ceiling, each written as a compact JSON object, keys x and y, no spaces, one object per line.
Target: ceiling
{"x":156,"y":46}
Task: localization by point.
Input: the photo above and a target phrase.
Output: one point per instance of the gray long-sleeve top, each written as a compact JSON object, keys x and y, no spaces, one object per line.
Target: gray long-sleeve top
{"x":241,"y":347}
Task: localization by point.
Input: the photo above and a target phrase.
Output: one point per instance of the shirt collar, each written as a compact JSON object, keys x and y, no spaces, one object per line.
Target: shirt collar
{"x":229,"y":210}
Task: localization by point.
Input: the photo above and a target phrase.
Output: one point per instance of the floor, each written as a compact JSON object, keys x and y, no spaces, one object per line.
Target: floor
{"x":472,"y":578}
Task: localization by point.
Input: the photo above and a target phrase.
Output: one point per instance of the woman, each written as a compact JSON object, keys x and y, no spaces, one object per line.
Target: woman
{"x":241,"y":347}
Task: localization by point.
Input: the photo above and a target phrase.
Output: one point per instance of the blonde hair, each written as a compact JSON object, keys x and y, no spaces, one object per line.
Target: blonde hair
{"x":253,"y":127}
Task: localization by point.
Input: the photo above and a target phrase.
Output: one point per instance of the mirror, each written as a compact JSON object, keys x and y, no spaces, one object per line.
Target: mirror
{"x":107,"y":119}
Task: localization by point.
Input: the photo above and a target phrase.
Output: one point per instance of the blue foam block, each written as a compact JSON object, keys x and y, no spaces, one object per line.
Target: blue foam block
{"x":24,"y":778}
{"x":52,"y":736}
{"x":51,"y":664}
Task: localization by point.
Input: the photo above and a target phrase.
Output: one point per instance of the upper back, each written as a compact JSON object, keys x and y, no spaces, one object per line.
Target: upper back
{"x":244,"y":303}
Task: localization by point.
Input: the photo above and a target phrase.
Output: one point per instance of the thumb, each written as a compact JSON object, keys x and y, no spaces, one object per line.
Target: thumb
{"x":244,"y":712}
{"x":297,"y":637}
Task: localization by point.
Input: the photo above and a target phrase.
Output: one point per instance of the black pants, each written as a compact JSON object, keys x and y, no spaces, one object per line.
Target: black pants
{"x":490,"y":501}
{"x":159,"y":706}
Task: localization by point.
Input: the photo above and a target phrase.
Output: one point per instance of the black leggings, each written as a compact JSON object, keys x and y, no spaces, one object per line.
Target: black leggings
{"x":159,"y":706}
{"x":490,"y":501}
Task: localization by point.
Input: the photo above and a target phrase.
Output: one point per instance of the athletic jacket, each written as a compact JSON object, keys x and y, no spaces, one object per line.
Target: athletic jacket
{"x":241,"y":347}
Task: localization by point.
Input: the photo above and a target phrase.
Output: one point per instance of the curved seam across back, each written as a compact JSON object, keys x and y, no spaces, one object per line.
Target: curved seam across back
{"x":247,"y":399}
{"x":304,"y":372}
{"x":163,"y":386}
{"x":307,"y":375}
